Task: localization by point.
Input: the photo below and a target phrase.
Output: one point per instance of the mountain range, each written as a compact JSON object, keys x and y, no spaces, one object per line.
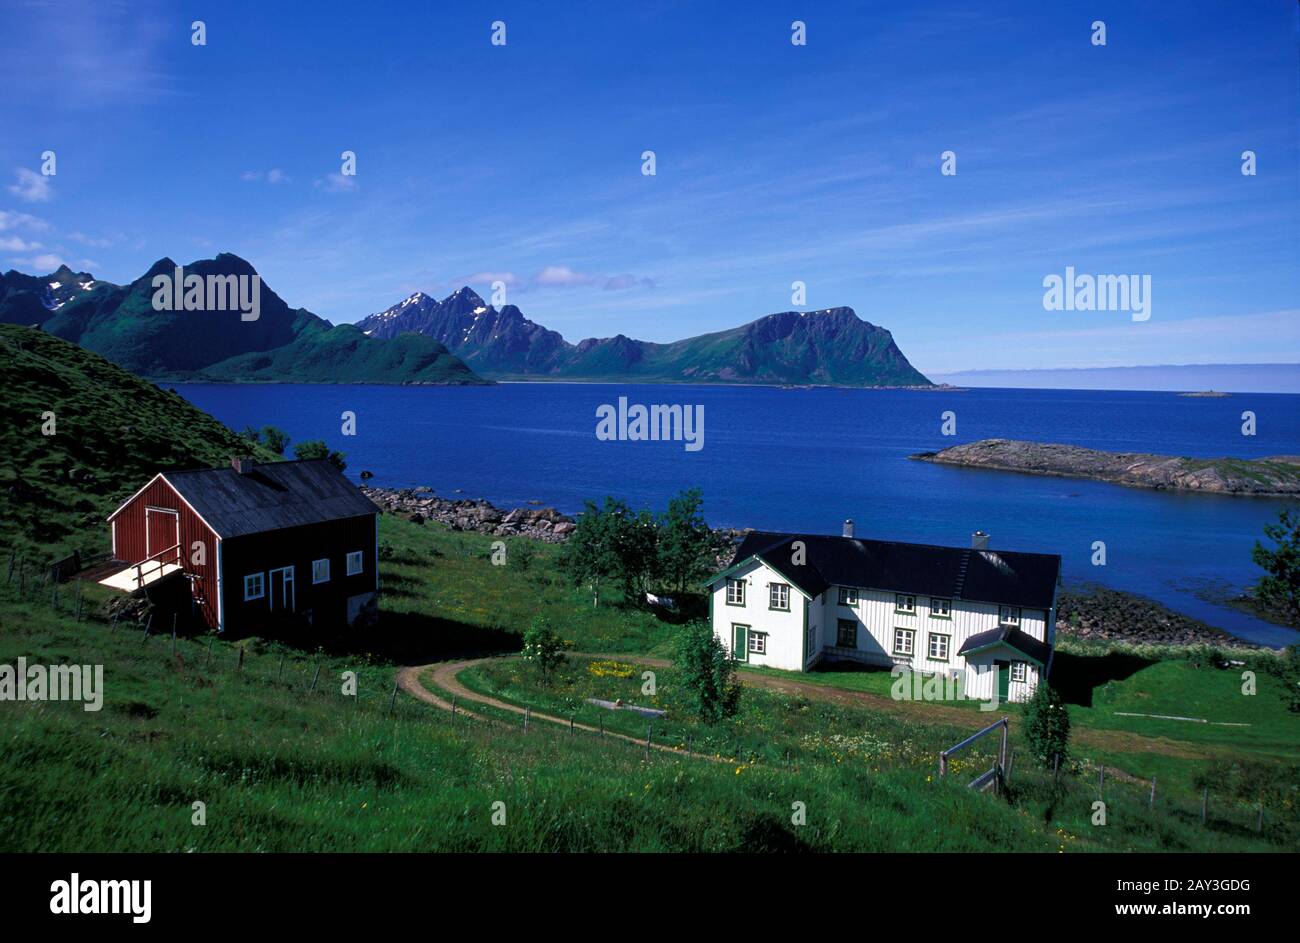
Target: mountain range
{"x":459,"y":339}
{"x":829,"y":347}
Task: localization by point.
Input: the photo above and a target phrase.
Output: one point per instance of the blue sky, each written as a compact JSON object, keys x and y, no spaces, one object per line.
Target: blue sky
{"x":775,"y":163}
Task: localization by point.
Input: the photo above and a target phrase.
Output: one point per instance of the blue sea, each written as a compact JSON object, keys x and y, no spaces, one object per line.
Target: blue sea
{"x":806,"y":459}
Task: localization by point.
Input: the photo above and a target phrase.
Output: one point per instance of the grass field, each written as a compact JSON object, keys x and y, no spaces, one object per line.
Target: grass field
{"x":282,"y":768}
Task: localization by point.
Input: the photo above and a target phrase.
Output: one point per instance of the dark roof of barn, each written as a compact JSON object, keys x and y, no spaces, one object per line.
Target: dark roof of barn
{"x":272,"y":496}
{"x":1006,"y":577}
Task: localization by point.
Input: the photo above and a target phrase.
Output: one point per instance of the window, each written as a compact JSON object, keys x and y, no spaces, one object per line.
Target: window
{"x":354,"y":563}
{"x":758,"y":643}
{"x":939,"y":646}
{"x":1009,"y":615}
{"x":320,"y":571}
{"x":778,"y":596}
{"x":940,"y":608}
{"x":848,"y":596}
{"x":254,"y":586}
{"x":847,"y":636}
{"x":735,"y":592}
{"x":904,"y":641}
{"x":905,"y":604}
{"x":1018,"y":672}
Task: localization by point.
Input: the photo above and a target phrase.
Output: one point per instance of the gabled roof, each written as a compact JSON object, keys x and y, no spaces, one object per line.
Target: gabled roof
{"x":1004,"y":577}
{"x":1010,"y":637}
{"x":272,"y":496}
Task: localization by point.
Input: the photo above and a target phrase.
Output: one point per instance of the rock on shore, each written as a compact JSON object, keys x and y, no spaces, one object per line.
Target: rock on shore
{"x":421,"y":504}
{"x":1279,"y":475}
{"x":1095,"y":612}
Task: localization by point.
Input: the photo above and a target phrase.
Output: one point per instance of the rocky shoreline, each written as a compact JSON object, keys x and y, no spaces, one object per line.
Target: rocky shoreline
{"x":472,"y":514}
{"x":1279,"y":475}
{"x":1098,"y":613}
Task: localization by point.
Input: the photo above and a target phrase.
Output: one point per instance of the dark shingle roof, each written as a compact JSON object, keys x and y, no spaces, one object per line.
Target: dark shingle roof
{"x":1009,"y":578}
{"x":1011,"y":636}
{"x":270,"y":497}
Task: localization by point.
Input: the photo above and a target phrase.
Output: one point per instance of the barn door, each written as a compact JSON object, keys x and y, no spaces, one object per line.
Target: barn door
{"x":162,"y":529}
{"x":280,"y":593}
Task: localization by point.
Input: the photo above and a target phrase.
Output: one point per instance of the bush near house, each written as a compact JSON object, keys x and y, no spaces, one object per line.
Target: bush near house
{"x":1047,"y":726}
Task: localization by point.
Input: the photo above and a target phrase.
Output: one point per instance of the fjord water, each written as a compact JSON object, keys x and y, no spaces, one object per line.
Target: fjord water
{"x":805,"y":459}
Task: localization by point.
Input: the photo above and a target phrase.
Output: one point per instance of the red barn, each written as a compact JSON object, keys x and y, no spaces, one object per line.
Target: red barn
{"x":282,"y":542}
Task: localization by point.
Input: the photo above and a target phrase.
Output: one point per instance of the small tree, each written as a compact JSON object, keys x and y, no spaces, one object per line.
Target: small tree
{"x":1280,"y":584}
{"x":588,"y":556}
{"x":1047,"y":725}
{"x":636,"y":547}
{"x":708,"y":673}
{"x":275,"y":439}
{"x":316,"y":448}
{"x":687,"y":546}
{"x":543,"y":647}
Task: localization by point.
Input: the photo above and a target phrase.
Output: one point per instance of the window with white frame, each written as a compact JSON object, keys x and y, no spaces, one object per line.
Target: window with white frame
{"x":778,"y":596}
{"x":1019,"y":671}
{"x":939,"y":646}
{"x":1009,"y":615}
{"x":735,"y":592}
{"x":354,"y":563}
{"x":940,"y":608}
{"x":758,"y":643}
{"x":846,"y":635}
{"x":904,"y":641}
{"x":254,"y":586}
{"x":320,"y":571}
{"x":848,"y":596}
{"x":905,"y":604}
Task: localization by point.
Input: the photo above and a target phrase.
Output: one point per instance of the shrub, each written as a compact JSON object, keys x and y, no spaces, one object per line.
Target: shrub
{"x":1047,"y":725}
{"x":708,"y":673}
{"x":543,"y":646}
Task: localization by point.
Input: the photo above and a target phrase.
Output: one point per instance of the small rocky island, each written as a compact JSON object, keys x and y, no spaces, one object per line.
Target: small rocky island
{"x":1277,"y":475}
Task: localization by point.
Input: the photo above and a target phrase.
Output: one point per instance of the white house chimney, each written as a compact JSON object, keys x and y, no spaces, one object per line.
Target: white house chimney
{"x":848,"y":527}
{"x":241,"y":464}
{"x":979,"y":540}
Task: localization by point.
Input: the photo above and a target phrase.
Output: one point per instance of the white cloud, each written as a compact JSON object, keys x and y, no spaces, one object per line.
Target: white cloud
{"x":43,"y":264}
{"x":10,"y":220}
{"x":273,"y":176}
{"x":337,"y":183}
{"x":17,"y":244}
{"x":31,"y":186}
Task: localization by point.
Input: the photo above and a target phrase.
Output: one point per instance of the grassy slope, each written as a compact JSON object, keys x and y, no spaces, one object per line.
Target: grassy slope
{"x":114,"y":431}
{"x":344,"y":354}
{"x":280,"y":768}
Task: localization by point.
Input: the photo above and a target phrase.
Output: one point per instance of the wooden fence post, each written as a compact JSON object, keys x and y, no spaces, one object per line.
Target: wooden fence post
{"x":392,"y":701}
{"x":279,"y":675}
{"x":147,"y":626}
{"x":526,"y":720}
{"x":1259,"y":822}
{"x":1205,"y":804}
{"x":649,"y":730}
{"x":314,"y":678}
{"x":943,"y":763}
{"x":570,"y":725}
{"x":1101,"y":780}
{"x":207,"y":659}
{"x":239,"y":666}
{"x":1151,"y":803}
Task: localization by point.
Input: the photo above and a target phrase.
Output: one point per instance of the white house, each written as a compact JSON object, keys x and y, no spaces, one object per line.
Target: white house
{"x":985,"y":617}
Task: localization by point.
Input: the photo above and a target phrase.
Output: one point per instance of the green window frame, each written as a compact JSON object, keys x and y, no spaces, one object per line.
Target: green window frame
{"x":739,"y":586}
{"x":905,"y":604}
{"x":940,"y":608}
{"x":1009,"y":615}
{"x":849,"y":626}
{"x":778,"y":593}
{"x":848,"y":596}
{"x":946,"y":641}
{"x":1020,"y":669}
{"x":899,"y":635}
{"x":757,"y":643}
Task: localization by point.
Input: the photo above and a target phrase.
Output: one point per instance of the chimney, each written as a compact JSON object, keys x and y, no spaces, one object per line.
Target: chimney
{"x":848,"y":527}
{"x":241,"y":464}
{"x":979,"y":540}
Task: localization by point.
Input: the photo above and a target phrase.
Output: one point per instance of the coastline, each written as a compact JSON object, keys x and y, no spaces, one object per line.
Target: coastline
{"x":1086,"y":612}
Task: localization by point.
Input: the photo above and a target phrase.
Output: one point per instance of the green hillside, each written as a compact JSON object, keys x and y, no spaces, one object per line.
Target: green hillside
{"x":112,"y":432}
{"x":344,"y":354}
